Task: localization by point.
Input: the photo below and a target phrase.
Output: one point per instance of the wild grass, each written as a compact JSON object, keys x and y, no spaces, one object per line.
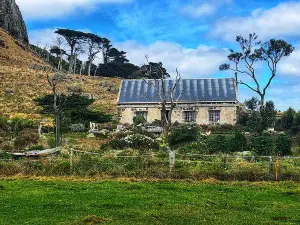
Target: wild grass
{"x":151,"y":166}
{"x":20,"y":85}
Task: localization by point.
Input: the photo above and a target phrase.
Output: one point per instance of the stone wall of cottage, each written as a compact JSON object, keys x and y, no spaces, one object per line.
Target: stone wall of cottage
{"x":228,"y":114}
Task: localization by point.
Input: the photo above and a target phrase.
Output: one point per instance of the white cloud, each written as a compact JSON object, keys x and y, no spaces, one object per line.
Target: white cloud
{"x":290,"y":65}
{"x":204,"y":9}
{"x":280,"y":21}
{"x":44,"y":9}
{"x":203,"y":61}
{"x":200,"y":9}
{"x":42,"y":37}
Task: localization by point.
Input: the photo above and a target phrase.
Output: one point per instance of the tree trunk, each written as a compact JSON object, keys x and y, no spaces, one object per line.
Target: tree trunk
{"x":71,"y":60}
{"x":89,"y":68}
{"x":56,"y":115}
{"x":75,"y":62}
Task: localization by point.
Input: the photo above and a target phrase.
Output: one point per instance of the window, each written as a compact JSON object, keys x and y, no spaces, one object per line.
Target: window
{"x":189,"y":116}
{"x":214,"y":116}
{"x":142,"y":113}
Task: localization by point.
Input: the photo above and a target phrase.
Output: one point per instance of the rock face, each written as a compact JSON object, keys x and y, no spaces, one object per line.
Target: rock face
{"x":11,"y":20}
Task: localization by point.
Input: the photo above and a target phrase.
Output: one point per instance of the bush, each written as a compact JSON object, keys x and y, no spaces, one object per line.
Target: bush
{"x":184,"y":133}
{"x":26,"y":138}
{"x":18,"y":124}
{"x":51,"y":142}
{"x":7,"y":146}
{"x":298,"y":140}
{"x":79,"y":127}
{"x":197,"y":147}
{"x":139,"y":120}
{"x":4,"y":123}
{"x":263,"y":145}
{"x":36,"y":147}
{"x":284,"y":144}
{"x":140,"y":142}
{"x":218,"y":143}
{"x":238,"y":143}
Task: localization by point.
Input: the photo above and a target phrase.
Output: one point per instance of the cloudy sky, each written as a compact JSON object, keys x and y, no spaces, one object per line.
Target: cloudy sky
{"x":193,"y":36}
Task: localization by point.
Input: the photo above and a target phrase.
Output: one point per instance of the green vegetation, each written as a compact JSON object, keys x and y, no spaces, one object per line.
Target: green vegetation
{"x":114,"y":202}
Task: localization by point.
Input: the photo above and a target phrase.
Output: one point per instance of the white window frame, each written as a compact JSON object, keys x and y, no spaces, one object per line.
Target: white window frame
{"x":189,"y":116}
{"x":214,"y":116}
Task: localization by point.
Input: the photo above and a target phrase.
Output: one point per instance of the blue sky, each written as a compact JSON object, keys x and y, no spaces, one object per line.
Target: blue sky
{"x":193,"y":36}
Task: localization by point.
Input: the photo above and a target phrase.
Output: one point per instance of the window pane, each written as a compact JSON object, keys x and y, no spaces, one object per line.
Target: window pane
{"x":189,"y":116}
{"x":214,"y":116}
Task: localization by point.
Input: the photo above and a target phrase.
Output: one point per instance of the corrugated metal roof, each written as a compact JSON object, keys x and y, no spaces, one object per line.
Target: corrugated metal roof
{"x":189,"y":90}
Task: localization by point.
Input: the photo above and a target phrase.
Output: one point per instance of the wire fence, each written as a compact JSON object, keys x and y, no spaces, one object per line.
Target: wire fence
{"x":158,"y":165}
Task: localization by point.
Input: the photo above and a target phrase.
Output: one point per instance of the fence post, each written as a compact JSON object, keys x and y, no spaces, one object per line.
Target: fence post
{"x":172,"y":159}
{"x":225,"y":162}
{"x":270,"y":167}
{"x":71,"y":159}
{"x":277,"y":167}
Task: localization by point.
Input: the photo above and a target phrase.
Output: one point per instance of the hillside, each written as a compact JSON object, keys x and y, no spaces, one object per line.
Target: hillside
{"x":19,"y":84}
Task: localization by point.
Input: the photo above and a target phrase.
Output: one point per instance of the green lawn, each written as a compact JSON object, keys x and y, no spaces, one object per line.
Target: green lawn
{"x":114,"y":202}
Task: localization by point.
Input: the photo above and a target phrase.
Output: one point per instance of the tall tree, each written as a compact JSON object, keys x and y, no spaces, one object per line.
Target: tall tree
{"x":116,"y":56}
{"x":59,"y":52}
{"x":106,"y":49}
{"x":253,"y":52}
{"x":74,"y":40}
{"x":154,"y":71}
{"x":95,"y":46}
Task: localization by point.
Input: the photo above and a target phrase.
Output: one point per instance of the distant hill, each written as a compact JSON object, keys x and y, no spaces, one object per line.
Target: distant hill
{"x":19,"y":84}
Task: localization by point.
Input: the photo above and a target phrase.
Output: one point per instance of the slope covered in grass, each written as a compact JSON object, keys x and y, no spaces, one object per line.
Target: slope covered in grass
{"x":113,"y":202}
{"x":19,"y":84}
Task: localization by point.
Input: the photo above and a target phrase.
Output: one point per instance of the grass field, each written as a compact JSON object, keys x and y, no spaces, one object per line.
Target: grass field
{"x":116,"y":202}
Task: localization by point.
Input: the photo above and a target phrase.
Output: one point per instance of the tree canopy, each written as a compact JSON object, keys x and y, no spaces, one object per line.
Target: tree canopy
{"x":253,"y":52}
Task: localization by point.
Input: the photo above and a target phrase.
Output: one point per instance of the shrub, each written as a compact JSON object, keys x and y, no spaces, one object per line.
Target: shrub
{"x":79,"y":127}
{"x":263,"y":145}
{"x":26,"y":138}
{"x":298,"y":140}
{"x":51,"y":142}
{"x":195,"y":147}
{"x":18,"y":124}
{"x":139,"y":120}
{"x":156,"y":123}
{"x":116,"y":144}
{"x":184,"y":133}
{"x":284,"y":144}
{"x":238,"y":142}
{"x":7,"y":146}
{"x":239,"y":127}
{"x":140,"y":142}
{"x":218,"y":143}
{"x":36,"y":147}
{"x":226,"y":127}
{"x":3,"y":123}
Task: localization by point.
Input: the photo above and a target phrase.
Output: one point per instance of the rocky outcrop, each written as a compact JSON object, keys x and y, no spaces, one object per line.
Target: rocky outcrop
{"x":11,"y":20}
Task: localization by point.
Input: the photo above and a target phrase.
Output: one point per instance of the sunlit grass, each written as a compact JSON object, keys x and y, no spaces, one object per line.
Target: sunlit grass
{"x":124,"y":202}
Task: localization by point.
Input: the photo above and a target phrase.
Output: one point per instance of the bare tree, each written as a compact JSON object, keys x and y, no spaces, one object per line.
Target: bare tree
{"x":167,"y":98}
{"x":54,"y":81}
{"x":254,"y":52}
{"x":59,"y":42}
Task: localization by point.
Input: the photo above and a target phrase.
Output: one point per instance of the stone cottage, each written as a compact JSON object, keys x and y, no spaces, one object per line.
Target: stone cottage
{"x":204,"y":101}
